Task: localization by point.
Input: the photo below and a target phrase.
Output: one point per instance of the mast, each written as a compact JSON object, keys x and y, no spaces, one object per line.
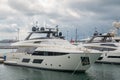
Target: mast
{"x":18,"y":33}
{"x":76,"y":35}
{"x":67,"y":34}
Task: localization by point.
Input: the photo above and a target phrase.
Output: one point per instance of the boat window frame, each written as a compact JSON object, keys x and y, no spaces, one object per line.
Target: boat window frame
{"x":25,"y":60}
{"x":37,"y":61}
{"x":46,"y":53}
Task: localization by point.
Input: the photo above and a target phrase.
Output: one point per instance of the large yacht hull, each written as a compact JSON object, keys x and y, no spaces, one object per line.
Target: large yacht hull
{"x":68,"y":62}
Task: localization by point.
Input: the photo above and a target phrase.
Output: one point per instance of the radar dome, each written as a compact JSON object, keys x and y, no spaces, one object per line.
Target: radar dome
{"x":33,"y":28}
{"x":42,"y":28}
{"x":60,"y":34}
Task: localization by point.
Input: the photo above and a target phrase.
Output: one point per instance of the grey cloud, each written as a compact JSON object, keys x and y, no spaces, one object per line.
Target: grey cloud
{"x":103,"y":9}
{"x":8,"y":30}
{"x":93,"y":13}
{"x":31,"y":8}
{"x":24,"y":7}
{"x":111,"y":2}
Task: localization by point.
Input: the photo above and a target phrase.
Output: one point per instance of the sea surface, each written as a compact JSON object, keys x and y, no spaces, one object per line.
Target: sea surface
{"x":96,"y":72}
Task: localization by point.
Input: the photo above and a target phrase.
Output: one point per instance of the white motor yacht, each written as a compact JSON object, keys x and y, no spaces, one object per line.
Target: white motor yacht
{"x":106,"y":43}
{"x":46,"y":48}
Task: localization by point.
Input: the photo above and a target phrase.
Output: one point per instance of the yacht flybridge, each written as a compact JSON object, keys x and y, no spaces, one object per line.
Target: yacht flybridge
{"x":46,"y":48}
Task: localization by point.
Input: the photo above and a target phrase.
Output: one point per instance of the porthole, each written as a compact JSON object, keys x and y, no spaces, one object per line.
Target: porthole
{"x":68,"y":56}
{"x":45,"y":64}
{"x":59,"y":65}
{"x":51,"y":64}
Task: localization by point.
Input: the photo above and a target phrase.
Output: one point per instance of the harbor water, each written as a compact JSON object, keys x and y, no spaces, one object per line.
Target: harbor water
{"x":96,"y":72}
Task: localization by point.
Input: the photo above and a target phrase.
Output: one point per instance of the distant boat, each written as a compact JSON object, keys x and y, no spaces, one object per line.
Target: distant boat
{"x":6,"y":44}
{"x":108,"y":44}
{"x":8,"y":41}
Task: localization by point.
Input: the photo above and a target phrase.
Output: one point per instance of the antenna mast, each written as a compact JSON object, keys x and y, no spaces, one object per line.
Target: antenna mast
{"x":76,"y":35}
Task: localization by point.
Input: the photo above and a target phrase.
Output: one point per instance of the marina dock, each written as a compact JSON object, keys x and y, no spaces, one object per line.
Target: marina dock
{"x":8,"y":47}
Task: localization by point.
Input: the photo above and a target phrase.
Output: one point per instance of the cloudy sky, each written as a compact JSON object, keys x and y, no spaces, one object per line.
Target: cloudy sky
{"x":83,"y":15}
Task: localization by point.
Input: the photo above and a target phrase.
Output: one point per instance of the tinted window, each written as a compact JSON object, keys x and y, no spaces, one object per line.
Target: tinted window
{"x":108,"y":49}
{"x":25,"y":60}
{"x":100,"y":58}
{"x":42,"y":53}
{"x":112,"y":45}
{"x":37,"y":61}
{"x":113,"y":56}
{"x":37,"y":42}
{"x":100,"y":48}
{"x":38,"y":53}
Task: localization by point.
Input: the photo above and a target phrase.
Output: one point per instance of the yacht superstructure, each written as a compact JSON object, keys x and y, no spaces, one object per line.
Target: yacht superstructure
{"x":46,"y":48}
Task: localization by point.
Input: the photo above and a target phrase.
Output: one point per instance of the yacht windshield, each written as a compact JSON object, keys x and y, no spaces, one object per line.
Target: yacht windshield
{"x":39,"y":35}
{"x":97,"y":39}
{"x":102,"y":39}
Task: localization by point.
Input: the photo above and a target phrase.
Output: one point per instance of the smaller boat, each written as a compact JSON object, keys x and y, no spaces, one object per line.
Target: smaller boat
{"x":108,"y":44}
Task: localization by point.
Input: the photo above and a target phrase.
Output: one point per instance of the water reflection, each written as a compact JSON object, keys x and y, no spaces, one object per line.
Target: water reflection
{"x":22,"y":73}
{"x":104,"y":72}
{"x":96,"y":72}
